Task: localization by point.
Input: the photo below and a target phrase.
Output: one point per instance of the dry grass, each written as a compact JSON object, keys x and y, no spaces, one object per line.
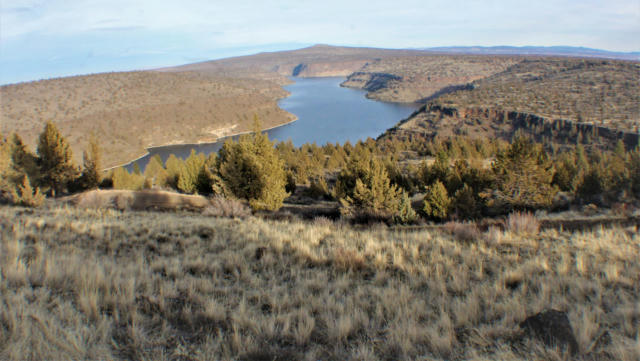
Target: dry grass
{"x":604,"y":92}
{"x":139,"y":200}
{"x":104,"y":284}
{"x":421,"y":77}
{"x":523,"y":223}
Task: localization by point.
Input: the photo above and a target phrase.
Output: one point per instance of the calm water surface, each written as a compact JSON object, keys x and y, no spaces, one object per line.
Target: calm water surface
{"x":327,"y":113}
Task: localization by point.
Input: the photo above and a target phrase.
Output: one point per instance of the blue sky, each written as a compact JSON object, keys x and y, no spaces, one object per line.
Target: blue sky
{"x":48,"y":38}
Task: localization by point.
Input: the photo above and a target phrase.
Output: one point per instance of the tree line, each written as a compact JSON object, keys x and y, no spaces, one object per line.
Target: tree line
{"x":458,"y":178}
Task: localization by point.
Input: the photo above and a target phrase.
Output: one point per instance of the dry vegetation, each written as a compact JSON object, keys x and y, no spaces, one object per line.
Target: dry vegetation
{"x":604,"y":92}
{"x":103,"y":284}
{"x":411,"y":79}
{"x":135,"y":110}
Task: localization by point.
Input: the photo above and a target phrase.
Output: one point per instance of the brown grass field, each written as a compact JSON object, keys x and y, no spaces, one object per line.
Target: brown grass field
{"x":98,"y":284}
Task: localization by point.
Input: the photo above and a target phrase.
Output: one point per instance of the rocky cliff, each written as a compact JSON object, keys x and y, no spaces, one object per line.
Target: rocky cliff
{"x":437,"y":121}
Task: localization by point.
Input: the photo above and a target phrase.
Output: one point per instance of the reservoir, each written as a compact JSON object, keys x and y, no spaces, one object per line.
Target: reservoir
{"x":326,"y":112}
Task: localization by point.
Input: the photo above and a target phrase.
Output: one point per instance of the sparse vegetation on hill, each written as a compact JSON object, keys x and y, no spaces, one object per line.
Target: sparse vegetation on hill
{"x":412,"y":79}
{"x":133,"y":111}
{"x":604,"y":92}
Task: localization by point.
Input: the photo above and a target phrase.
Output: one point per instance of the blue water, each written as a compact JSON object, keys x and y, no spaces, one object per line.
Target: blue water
{"x":327,"y":113}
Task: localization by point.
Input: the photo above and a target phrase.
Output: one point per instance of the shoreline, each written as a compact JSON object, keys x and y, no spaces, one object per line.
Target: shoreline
{"x":295,"y":118}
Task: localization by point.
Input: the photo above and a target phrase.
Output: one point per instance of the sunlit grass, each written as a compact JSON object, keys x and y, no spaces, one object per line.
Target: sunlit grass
{"x":104,"y":284}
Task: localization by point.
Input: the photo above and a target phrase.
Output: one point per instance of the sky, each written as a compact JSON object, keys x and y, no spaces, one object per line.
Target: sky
{"x":51,"y":38}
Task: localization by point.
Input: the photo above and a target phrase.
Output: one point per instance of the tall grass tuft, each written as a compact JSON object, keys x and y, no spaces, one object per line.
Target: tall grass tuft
{"x":523,"y":223}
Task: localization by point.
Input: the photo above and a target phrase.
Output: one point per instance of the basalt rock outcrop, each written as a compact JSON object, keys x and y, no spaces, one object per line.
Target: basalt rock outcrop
{"x":370,"y":82}
{"x":440,"y":121}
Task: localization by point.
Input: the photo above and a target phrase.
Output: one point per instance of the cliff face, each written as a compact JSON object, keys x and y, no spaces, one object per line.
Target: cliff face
{"x":371,"y":82}
{"x":320,"y":69}
{"x":438,"y":121}
{"x":417,"y":79}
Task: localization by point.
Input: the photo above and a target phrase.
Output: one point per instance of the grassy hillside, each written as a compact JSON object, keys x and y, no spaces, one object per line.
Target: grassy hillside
{"x":560,"y":100}
{"x":605,"y":92}
{"x":417,"y":78}
{"x":132,"y":111}
{"x":103,"y":284}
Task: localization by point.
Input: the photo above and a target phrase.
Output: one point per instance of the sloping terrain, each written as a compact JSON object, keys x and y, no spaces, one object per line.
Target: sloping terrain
{"x":135,"y":110}
{"x":590,"y":101}
{"x":418,"y":78}
{"x":103,"y":284}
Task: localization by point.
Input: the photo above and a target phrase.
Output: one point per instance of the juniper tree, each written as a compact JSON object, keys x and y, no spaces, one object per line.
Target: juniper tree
{"x":91,"y":165}
{"x":523,"y":175}
{"x":154,"y":172}
{"x":364,"y":187}
{"x":55,"y":158}
{"x":436,"y":201}
{"x":251,"y":169}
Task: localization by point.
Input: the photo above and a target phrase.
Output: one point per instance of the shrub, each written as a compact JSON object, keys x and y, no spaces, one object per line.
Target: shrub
{"x":122,"y":179}
{"x":364,"y":188}
{"x":56,"y":160}
{"x":226,"y":207}
{"x":465,"y":232}
{"x":91,"y":165}
{"x":523,"y":223}
{"x":436,"y":201}
{"x":27,"y":196}
{"x":318,"y":188}
{"x":465,"y":205}
{"x":523,"y":175}
{"x":251,"y":169}
{"x":405,"y":214}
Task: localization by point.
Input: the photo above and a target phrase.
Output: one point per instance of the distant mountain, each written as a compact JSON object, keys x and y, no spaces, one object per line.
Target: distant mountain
{"x":535,"y":50}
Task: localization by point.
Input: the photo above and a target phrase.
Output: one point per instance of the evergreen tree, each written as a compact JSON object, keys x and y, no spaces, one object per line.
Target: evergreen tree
{"x":174,"y":167}
{"x":465,"y":205}
{"x":406,"y":214}
{"x":523,"y":175}
{"x":91,"y":165}
{"x":154,"y":172}
{"x":24,"y":162}
{"x":364,"y":186}
{"x":436,"y":201}
{"x":633,"y":164}
{"x":56,"y":160}
{"x":27,"y":196}
{"x":191,"y":172}
{"x":122,"y":179}
{"x":7,"y":173}
{"x":251,"y":169}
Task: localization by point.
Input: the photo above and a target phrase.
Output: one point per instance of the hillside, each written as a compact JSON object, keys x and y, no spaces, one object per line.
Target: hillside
{"x":203,"y":101}
{"x":135,"y":110}
{"x":419,"y":78}
{"x":103,"y":284}
{"x":599,"y":98}
{"x":571,"y":51}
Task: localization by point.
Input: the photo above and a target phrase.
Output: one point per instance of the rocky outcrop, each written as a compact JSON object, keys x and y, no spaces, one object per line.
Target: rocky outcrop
{"x":316,"y":69}
{"x":370,"y":82}
{"x":553,"y":328}
{"x":437,"y":120}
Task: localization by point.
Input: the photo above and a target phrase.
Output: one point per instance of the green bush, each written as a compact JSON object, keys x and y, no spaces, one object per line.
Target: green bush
{"x":523,"y":175}
{"x":405,"y":214}
{"x":27,"y":196}
{"x":125,"y":180}
{"x":364,"y":186}
{"x":251,"y":169}
{"x":436,"y":201}
{"x":57,"y":169}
